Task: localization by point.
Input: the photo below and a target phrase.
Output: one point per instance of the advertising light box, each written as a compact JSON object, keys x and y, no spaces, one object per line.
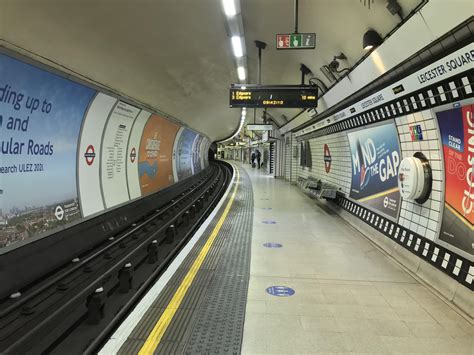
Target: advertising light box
{"x":68,"y":152}
{"x":196,"y":154}
{"x":133,"y":156}
{"x":183,"y":154}
{"x":114,"y":153}
{"x":40,"y":120}
{"x":457,"y":134}
{"x":375,"y":154}
{"x":88,"y":163}
{"x":155,"y":158}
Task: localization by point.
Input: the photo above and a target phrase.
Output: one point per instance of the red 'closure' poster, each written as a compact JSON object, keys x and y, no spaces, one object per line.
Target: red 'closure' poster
{"x":457,"y":133}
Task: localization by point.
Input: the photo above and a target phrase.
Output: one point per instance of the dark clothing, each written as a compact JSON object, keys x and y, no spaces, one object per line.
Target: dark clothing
{"x":259,"y":157}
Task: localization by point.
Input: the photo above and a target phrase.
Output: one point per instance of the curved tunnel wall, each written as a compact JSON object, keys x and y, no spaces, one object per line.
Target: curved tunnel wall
{"x":360,"y":155}
{"x":70,"y":151}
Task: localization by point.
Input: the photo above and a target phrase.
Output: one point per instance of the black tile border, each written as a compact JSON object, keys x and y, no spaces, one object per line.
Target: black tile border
{"x":450,"y":263}
{"x":450,"y":90}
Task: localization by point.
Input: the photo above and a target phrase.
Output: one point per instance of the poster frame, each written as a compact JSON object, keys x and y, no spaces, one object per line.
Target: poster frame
{"x":370,"y":208}
{"x":435,"y":110}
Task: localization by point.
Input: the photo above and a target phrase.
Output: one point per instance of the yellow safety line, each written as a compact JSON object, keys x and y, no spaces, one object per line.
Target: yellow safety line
{"x":160,"y":327}
{"x":368,"y":198}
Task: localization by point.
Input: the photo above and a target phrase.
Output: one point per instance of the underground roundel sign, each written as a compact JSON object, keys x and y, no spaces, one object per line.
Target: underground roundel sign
{"x":89,"y":155}
{"x":327,"y":158}
{"x":133,"y":155}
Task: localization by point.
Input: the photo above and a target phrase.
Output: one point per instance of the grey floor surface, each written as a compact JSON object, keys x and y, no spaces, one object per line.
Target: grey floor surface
{"x":349,"y":297}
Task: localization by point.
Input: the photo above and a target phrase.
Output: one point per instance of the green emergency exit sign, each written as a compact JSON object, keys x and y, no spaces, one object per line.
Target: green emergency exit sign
{"x":296,"y":41}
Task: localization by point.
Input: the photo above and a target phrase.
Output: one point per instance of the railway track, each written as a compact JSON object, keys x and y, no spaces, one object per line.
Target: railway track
{"x":75,"y":309}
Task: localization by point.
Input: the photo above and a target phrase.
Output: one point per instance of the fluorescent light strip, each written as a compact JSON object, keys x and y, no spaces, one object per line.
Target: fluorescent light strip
{"x":237,"y":46}
{"x":241,"y":73}
{"x":229,"y":7}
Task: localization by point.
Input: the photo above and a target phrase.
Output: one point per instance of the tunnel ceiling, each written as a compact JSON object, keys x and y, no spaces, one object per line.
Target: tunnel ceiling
{"x":175,"y":55}
{"x":339,"y":26}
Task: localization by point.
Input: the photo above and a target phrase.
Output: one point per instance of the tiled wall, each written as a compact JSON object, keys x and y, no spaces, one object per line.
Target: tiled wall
{"x":292,"y":160}
{"x":423,"y":219}
{"x":340,"y":170}
{"x":287,"y":150}
{"x":417,"y":227}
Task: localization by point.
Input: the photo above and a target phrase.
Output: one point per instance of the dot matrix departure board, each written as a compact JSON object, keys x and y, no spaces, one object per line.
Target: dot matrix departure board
{"x":288,"y":96}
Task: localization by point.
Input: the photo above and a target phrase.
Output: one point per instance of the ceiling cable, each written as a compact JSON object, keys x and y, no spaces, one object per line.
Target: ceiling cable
{"x":296,"y":16}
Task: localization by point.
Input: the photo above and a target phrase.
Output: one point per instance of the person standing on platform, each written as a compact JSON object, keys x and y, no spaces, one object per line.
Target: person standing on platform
{"x":253,"y":159}
{"x":259,"y":157}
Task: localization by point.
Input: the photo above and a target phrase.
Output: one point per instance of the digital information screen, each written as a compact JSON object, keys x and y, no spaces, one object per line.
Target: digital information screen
{"x":288,"y":96}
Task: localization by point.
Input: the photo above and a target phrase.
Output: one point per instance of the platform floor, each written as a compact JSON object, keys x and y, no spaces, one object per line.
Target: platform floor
{"x":198,"y":304}
{"x":349,"y":296}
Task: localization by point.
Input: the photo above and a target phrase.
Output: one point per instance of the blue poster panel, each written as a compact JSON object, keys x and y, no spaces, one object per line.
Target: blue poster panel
{"x":40,"y":120}
{"x":375,"y":155}
{"x":184,"y":154}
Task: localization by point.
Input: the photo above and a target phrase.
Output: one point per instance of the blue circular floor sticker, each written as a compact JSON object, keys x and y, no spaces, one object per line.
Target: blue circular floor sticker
{"x":272,"y":245}
{"x":280,"y":291}
{"x":269,"y":222}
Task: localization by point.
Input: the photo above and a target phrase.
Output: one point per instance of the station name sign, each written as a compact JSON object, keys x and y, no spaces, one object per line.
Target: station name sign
{"x":285,"y":96}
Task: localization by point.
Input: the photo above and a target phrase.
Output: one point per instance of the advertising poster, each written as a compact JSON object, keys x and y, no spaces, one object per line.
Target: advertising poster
{"x":184,"y":154}
{"x":203,"y":153}
{"x":113,"y":160}
{"x":197,"y":154}
{"x":155,"y":156}
{"x":40,"y":120}
{"x":457,"y":133}
{"x":375,"y":155}
{"x":134,"y":188}
{"x":88,"y":159}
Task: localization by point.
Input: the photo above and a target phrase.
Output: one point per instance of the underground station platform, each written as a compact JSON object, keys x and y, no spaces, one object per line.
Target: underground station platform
{"x":237,"y":177}
{"x":274,"y":273}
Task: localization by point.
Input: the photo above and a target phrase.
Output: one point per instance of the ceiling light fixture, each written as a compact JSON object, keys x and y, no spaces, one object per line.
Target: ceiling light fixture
{"x":229,"y":7}
{"x":241,"y":73}
{"x":371,"y":39}
{"x":237,"y":46}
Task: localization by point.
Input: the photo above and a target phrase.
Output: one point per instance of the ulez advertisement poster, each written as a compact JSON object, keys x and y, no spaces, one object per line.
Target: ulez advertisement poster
{"x":457,"y":134}
{"x":375,"y":156}
{"x":40,"y":121}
